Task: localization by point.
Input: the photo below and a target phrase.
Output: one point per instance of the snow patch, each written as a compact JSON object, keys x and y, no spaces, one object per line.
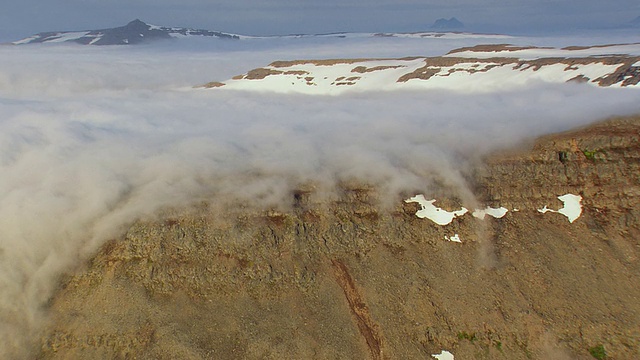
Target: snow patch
{"x":454,"y":238}
{"x":495,"y":212}
{"x":572,"y":208}
{"x":27,"y":40}
{"x":332,"y":79}
{"x":68,"y":36}
{"x":95,"y":40}
{"x":433,"y":213}
{"x":443,"y":217}
{"x":444,"y":355}
{"x":444,"y":35}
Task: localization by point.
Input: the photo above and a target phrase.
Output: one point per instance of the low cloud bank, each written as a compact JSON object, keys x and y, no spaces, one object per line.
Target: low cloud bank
{"x":91,"y":142}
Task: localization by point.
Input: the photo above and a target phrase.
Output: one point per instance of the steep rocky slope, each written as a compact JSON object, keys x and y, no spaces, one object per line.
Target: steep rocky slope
{"x":343,"y":277}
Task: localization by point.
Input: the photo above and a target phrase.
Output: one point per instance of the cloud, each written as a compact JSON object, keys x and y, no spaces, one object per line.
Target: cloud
{"x":92,"y":139}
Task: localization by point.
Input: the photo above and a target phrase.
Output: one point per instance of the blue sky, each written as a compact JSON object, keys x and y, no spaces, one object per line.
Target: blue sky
{"x":20,"y":18}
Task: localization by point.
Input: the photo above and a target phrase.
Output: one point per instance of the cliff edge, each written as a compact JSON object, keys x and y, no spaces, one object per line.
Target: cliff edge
{"x":345,"y":277}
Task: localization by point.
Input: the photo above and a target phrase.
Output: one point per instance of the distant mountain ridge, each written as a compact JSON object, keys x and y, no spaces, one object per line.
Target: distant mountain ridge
{"x":135,"y":32}
{"x":139,"y":32}
{"x":447,"y":24}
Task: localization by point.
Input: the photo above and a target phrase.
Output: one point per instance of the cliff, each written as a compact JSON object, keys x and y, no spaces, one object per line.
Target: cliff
{"x":346,"y":277}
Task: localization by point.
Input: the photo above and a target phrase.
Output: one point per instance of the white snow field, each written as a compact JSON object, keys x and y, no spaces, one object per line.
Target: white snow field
{"x":472,"y":69}
{"x":466,"y":75}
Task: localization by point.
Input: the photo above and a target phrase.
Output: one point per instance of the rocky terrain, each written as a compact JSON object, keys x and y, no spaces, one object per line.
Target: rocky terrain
{"x":343,"y":276}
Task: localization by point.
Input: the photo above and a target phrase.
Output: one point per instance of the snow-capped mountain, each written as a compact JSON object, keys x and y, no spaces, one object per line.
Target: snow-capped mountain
{"x":482,"y":68}
{"x":135,"y":32}
{"x":138,"y":32}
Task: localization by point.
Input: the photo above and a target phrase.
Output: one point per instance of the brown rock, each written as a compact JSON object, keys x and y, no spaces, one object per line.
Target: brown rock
{"x":344,"y":278}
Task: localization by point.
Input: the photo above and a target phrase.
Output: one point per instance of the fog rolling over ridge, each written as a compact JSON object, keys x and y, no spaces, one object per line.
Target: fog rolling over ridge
{"x":91,"y":140}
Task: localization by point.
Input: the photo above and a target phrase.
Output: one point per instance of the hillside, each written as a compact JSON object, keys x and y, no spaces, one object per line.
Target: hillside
{"x":482,"y":68}
{"x":344,"y":276}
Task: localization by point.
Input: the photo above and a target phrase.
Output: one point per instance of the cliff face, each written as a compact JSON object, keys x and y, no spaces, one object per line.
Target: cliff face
{"x":346,"y":278}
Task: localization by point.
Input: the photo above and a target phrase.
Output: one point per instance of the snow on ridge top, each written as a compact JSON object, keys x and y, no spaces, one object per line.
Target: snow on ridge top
{"x":26,"y":40}
{"x":464,"y":74}
{"x":332,"y":62}
{"x":134,"y":32}
{"x":444,"y":35}
{"x":534,"y":52}
{"x":54,"y":37}
{"x":68,"y":36}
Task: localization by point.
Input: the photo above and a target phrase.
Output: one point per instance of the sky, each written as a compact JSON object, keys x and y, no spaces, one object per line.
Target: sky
{"x":21,"y":18}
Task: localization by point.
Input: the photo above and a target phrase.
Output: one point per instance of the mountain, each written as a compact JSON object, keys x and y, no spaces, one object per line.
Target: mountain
{"x":346,"y":277}
{"x":481,"y":68}
{"x":139,"y":32}
{"x":447,"y":24}
{"x":135,"y":32}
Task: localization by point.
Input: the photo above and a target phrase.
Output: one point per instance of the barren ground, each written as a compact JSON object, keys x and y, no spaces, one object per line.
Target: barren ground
{"x":346,"y":279}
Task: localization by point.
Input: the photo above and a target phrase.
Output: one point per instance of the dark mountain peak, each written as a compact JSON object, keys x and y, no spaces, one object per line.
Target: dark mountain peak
{"x":135,"y":32}
{"x":137,"y":25}
{"x":136,"y":21}
{"x":445,"y":24}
